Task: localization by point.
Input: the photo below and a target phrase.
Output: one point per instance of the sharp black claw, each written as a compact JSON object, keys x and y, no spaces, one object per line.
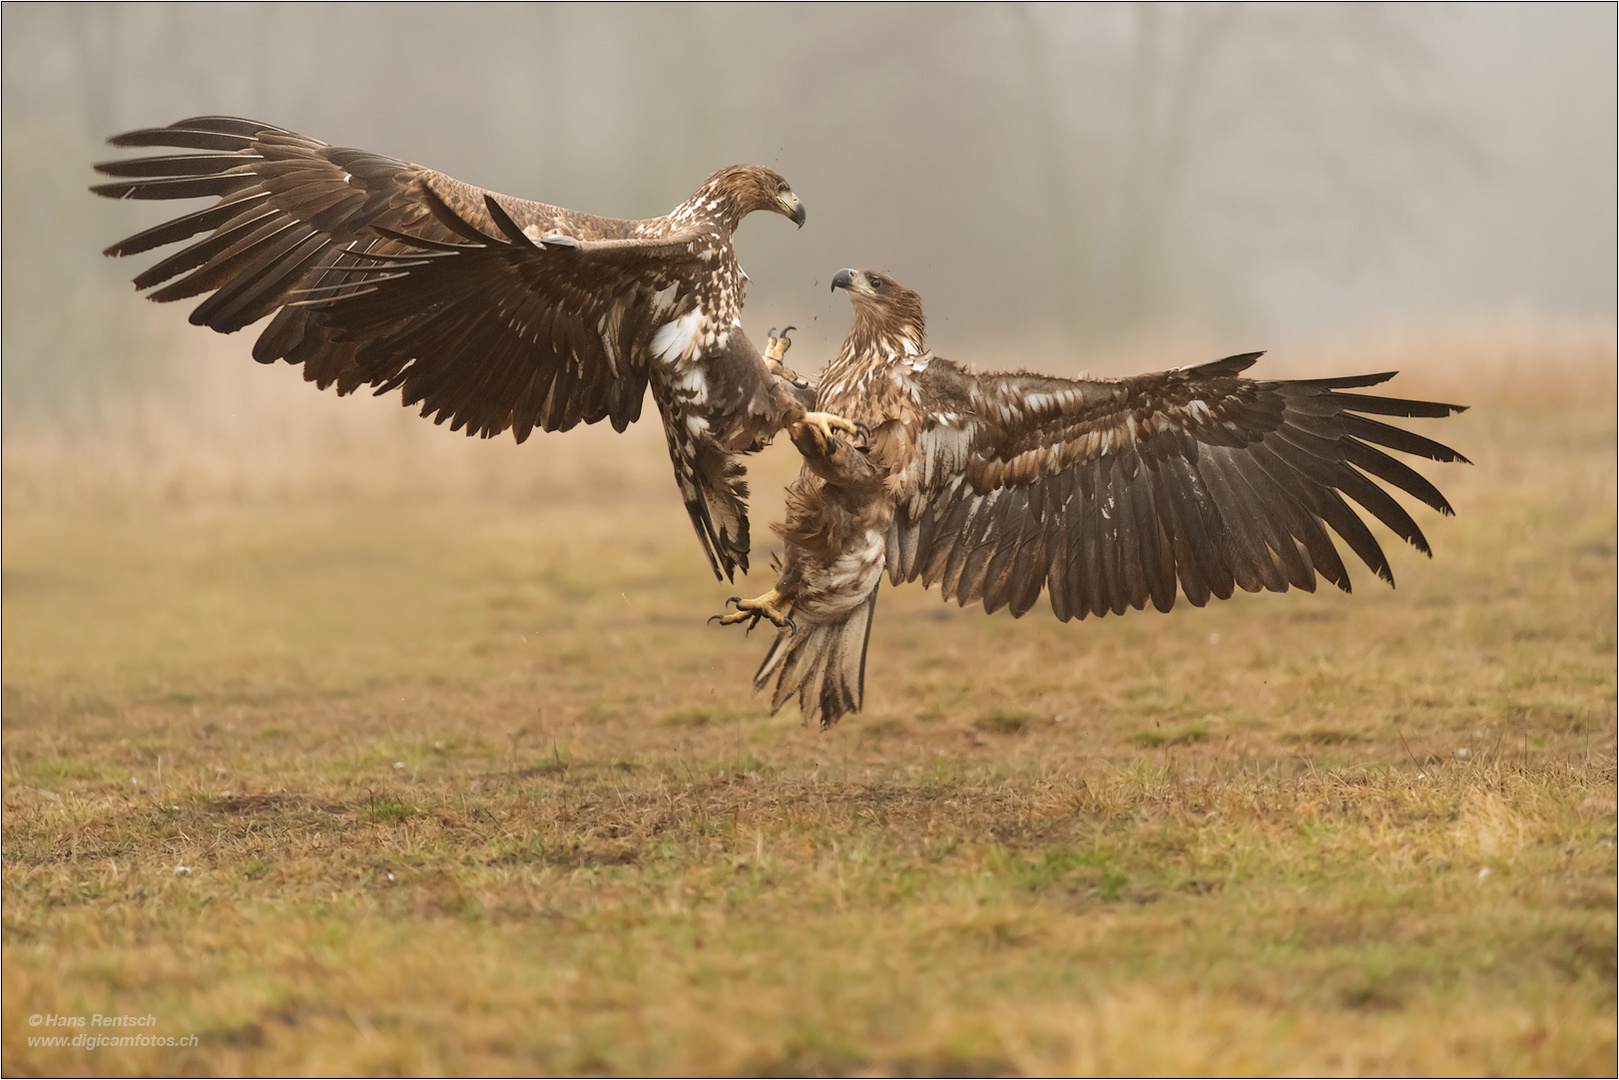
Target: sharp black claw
{"x":712,"y":619}
{"x":792,"y":627}
{"x":785,"y":332}
{"x":729,"y":600}
{"x":771,"y":334}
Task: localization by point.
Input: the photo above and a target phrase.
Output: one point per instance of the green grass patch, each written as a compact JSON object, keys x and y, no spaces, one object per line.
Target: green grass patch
{"x":1181,"y":736}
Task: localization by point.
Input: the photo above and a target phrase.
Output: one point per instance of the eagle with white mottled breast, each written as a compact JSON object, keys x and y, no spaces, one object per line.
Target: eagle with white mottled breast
{"x":1103,"y":493}
{"x":490,"y":312}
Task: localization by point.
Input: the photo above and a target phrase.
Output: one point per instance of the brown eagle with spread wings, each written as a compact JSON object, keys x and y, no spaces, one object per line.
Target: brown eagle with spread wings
{"x":490,"y":312}
{"x":1104,"y":493}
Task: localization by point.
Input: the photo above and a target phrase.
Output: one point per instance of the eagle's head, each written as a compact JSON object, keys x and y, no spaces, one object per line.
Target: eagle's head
{"x":739,"y":190}
{"x":886,"y":313}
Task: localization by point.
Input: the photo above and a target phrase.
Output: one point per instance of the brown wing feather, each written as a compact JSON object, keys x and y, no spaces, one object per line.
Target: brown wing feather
{"x":491,"y":313}
{"x":391,"y":275}
{"x":1110,"y":493}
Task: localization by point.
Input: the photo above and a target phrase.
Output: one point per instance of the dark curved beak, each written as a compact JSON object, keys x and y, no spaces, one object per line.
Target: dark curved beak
{"x":843,"y":278}
{"x":792,"y":207}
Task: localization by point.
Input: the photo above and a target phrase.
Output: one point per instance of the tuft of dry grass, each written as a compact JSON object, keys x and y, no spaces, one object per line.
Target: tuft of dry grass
{"x":460,"y":782}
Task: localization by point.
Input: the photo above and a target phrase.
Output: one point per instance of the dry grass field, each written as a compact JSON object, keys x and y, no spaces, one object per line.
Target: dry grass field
{"x":344,"y":745}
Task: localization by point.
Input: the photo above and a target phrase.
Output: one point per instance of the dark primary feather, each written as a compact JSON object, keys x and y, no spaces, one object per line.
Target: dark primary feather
{"x":321,"y":228}
{"x":1110,"y":492}
{"x":490,"y":313}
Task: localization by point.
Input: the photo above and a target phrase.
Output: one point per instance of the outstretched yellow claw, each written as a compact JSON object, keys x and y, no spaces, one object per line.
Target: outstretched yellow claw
{"x":768,"y":606}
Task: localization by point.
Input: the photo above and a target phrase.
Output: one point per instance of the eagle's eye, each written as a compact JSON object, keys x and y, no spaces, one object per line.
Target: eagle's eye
{"x":781,"y":188}
{"x":876,"y":282}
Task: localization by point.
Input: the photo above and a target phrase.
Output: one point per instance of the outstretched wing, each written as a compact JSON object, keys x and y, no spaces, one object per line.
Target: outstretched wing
{"x":1108,"y":493}
{"x":488,"y":311}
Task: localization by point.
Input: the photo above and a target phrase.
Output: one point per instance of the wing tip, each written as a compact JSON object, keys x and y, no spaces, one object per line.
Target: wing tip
{"x":1226,"y":365}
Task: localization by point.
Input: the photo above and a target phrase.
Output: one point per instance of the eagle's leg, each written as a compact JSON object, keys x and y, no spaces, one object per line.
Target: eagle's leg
{"x":821,"y":424}
{"x":775,"y":350}
{"x":769,"y":606}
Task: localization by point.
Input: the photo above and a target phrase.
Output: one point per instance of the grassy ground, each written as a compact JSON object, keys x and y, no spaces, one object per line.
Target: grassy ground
{"x":347,"y":747}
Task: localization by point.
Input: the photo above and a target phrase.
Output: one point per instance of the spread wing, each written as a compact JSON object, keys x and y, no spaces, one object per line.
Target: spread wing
{"x":1109,"y":493}
{"x":391,"y":275}
{"x":490,"y":312}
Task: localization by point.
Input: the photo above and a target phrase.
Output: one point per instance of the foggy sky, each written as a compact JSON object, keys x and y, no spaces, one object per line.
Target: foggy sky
{"x":1068,"y":174}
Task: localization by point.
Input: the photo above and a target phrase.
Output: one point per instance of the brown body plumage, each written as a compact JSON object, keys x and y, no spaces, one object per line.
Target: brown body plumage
{"x":1103,"y":493}
{"x":490,"y":312}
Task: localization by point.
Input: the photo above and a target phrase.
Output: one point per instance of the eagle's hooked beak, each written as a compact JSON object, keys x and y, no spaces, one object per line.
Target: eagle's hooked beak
{"x":793,"y":207}
{"x":853,"y":280}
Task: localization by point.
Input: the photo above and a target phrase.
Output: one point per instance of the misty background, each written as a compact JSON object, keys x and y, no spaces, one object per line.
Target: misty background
{"x":1056,"y":181}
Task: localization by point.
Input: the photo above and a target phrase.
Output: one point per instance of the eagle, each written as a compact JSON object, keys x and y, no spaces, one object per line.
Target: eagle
{"x":490,"y":312}
{"x":1103,"y":493}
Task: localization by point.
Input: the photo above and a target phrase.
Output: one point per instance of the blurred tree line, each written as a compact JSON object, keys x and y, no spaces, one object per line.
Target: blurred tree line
{"x":1077,"y":173}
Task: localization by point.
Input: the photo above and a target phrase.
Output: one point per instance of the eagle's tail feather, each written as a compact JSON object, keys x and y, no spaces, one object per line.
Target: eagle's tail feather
{"x":823,"y":663}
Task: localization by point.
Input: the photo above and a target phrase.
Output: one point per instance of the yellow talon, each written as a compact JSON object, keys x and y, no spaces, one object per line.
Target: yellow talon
{"x":776,"y":347}
{"x":823,"y":423}
{"x":769,"y":606}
